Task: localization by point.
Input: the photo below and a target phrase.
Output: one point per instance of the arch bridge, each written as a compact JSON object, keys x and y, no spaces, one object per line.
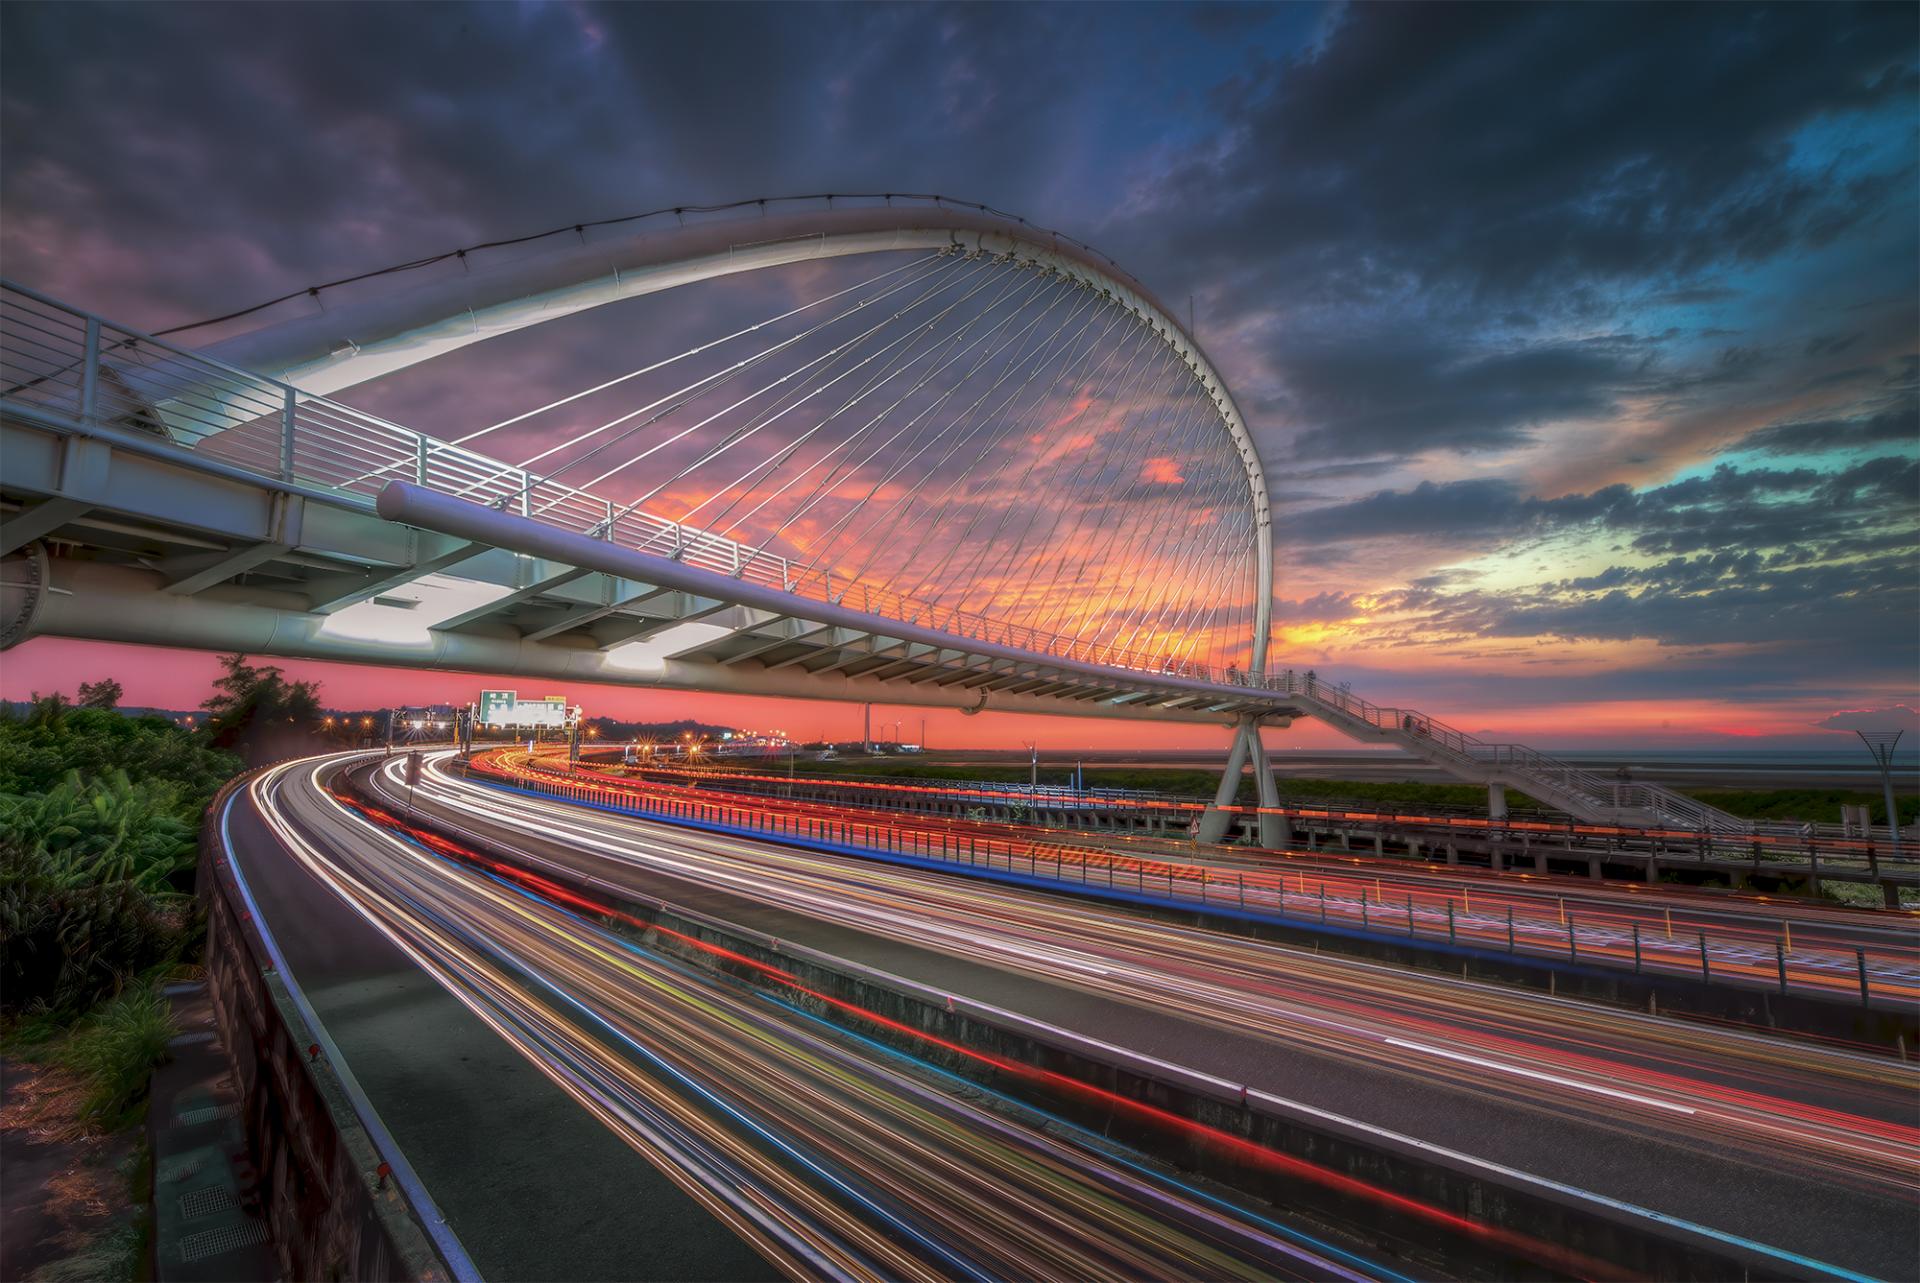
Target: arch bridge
{"x":919,"y":452}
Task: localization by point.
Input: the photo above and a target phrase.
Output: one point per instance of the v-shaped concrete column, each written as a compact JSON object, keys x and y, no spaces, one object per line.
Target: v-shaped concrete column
{"x":1274,"y":829}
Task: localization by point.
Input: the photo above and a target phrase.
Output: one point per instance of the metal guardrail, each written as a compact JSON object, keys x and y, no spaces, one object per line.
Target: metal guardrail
{"x":84,"y":368}
{"x":1767,"y":961}
{"x":1812,"y":850}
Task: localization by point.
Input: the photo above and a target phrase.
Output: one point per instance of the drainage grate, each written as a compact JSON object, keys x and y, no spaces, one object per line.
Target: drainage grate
{"x":205,"y":1114}
{"x":205,"y":1202}
{"x":198,"y":1247}
{"x":189,"y":1040}
{"x":178,"y":1169}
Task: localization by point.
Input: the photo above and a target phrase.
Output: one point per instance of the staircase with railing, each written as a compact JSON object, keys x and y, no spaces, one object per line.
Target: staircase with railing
{"x":1570,"y":788}
{"x":61,"y":365}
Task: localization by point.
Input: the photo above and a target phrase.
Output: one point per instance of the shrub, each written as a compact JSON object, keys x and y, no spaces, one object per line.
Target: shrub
{"x":115,"y":1049}
{"x":65,"y":943}
{"x":40,"y":745}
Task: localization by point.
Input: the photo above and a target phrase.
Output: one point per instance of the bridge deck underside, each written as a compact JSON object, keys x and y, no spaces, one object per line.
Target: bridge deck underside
{"x":151,"y":546}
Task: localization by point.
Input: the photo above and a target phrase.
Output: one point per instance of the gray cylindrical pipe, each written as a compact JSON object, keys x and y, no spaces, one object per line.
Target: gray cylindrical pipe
{"x":430,"y":510}
{"x":100,"y":602}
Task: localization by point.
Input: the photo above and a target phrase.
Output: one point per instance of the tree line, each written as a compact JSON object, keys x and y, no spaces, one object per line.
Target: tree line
{"x":99,"y":825}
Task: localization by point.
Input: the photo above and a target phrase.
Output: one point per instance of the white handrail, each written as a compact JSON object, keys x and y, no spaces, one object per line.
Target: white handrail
{"x":97,"y":371}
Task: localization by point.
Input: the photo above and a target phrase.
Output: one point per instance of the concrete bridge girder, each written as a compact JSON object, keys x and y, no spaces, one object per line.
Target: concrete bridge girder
{"x":120,"y":603}
{"x":239,"y":560}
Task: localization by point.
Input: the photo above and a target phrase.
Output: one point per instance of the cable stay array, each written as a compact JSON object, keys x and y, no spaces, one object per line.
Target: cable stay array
{"x":993,"y":445}
{"x":950,"y":436}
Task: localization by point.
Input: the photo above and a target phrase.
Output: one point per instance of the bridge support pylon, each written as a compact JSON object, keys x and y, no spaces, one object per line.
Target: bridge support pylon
{"x":1496,"y":802}
{"x":1274,"y":830}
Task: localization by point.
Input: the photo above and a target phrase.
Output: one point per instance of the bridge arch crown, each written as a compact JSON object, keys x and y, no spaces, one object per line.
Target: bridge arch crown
{"x":346,"y":345}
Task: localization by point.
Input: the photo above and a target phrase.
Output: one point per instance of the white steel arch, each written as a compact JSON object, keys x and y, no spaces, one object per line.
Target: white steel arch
{"x":345,"y":346}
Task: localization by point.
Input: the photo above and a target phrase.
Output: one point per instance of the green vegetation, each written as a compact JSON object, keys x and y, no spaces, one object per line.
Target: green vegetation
{"x":114,"y":1253}
{"x":257,"y":712}
{"x":40,"y":746}
{"x":1385,"y":795}
{"x":1819,"y":805}
{"x":114,"y":1049}
{"x":98,"y":816}
{"x":99,"y":820}
{"x":1800,"y":805}
{"x":104,"y":693}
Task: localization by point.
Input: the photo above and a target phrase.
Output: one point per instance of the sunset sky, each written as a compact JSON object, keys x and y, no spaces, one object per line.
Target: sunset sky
{"x":1581,"y":343}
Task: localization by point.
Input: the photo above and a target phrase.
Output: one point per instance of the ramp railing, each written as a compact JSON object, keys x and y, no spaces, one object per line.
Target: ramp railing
{"x":1565,"y":784}
{"x":74,"y":365}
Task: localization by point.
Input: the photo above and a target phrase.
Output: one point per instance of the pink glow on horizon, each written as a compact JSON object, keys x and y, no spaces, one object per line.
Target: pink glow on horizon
{"x":179,"y":679}
{"x":159,"y":677}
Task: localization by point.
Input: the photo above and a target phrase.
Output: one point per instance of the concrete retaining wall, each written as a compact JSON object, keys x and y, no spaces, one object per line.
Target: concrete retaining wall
{"x":331,"y":1214}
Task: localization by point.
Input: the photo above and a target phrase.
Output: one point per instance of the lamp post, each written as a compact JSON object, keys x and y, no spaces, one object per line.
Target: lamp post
{"x":1880,"y":744}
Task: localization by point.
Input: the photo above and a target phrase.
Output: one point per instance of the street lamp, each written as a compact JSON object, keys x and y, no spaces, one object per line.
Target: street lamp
{"x":1880,"y":744}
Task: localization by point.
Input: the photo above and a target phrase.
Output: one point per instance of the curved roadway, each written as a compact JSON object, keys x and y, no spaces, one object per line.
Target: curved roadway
{"x":1811,"y":1152}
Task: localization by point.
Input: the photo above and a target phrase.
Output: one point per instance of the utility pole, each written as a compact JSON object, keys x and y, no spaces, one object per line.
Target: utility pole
{"x":866,"y":734}
{"x":1033,"y":766}
{"x":1880,"y":744}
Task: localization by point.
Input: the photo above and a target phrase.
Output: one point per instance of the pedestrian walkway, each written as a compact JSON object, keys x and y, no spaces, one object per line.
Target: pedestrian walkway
{"x":207,"y":1220}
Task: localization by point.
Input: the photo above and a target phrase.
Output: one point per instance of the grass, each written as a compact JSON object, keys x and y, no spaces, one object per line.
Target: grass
{"x":114,"y":1254}
{"x":90,"y":1096}
{"x":1820,"y":805}
{"x":1799,"y":805}
{"x":1361,"y":794}
{"x":1864,"y":896}
{"x":116,"y":1048}
{"x":112,"y":1049}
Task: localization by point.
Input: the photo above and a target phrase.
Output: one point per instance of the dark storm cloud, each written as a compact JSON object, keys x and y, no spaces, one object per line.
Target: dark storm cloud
{"x":1475,"y":171}
{"x":239,"y":150}
{"x":1509,"y":149}
{"x":1424,"y":241}
{"x":1447,"y":513}
{"x":1896,"y":424}
{"x":1751,"y":508}
{"x":1809,"y":562}
{"x":1791,"y":607}
{"x":1414,"y":392}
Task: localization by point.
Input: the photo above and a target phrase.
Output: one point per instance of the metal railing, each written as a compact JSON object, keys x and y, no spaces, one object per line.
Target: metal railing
{"x":75,"y":365}
{"x":1773,"y":850}
{"x":1595,"y":790}
{"x":1761,"y":956}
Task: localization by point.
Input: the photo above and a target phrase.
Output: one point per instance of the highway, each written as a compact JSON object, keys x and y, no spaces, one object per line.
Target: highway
{"x":832,"y":1159}
{"x":1777,"y":849}
{"x":1809,"y":1150}
{"x":1752,"y":939}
